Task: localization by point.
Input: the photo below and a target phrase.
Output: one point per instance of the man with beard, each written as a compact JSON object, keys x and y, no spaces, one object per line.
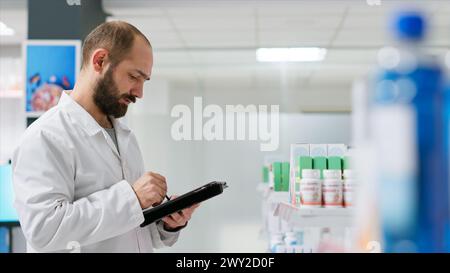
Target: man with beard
{"x":78,"y":173}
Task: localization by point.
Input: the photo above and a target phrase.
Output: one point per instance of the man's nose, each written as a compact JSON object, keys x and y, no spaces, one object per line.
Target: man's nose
{"x":138,"y":91}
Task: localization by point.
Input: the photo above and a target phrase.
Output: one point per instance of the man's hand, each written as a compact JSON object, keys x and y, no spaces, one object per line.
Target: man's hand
{"x":179,"y":219}
{"x":150,"y":189}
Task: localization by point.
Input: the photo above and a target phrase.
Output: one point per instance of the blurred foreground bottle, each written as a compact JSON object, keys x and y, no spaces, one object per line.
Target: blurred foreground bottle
{"x":407,"y":124}
{"x":447,"y":145}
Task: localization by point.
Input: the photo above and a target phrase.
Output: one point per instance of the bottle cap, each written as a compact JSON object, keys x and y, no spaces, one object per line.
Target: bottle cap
{"x":409,"y":25}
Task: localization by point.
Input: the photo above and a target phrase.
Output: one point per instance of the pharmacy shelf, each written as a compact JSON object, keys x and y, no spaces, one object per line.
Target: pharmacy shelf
{"x":314,"y":217}
{"x":262,"y":187}
{"x":11,"y":94}
{"x":277,"y":197}
{"x":34,"y":114}
{"x":270,"y":201}
{"x":270,"y":195}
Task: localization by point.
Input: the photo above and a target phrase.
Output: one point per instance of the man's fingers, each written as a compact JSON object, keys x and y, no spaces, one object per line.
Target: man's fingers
{"x":191,"y":209}
{"x":158,"y":196}
{"x":160,"y":188}
{"x":157,"y":175}
{"x":169,"y":221}
{"x":175,"y":220}
{"x":178,"y":218}
{"x":186,"y":215}
{"x":160,"y":192}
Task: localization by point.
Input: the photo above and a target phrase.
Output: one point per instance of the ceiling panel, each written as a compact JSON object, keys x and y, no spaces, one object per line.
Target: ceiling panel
{"x":170,"y":58}
{"x":163,"y":39}
{"x":439,"y":37}
{"x":441,"y":19}
{"x":132,"y":7}
{"x":146,"y":23}
{"x":208,"y":22}
{"x":301,"y":8}
{"x":219,"y":39}
{"x":360,"y":38}
{"x":212,"y":43}
{"x":294,"y":22}
{"x":293,"y":39}
{"x":366,"y":21}
{"x":212,"y":10}
{"x":224,"y":57}
{"x":347,"y":56}
{"x":17,"y":19}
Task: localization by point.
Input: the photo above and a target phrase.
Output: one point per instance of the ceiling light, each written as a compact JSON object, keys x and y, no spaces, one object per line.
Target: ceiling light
{"x":5,"y":30}
{"x":295,"y":54}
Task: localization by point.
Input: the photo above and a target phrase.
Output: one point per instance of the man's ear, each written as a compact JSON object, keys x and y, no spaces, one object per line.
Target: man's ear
{"x":99,"y":59}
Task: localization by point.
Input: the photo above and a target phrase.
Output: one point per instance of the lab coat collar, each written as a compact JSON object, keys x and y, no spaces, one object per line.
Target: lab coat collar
{"x":79,"y":114}
{"x":120,"y":125}
{"x":89,"y":124}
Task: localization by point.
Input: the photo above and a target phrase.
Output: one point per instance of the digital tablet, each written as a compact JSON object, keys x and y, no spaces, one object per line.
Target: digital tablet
{"x":186,"y":200}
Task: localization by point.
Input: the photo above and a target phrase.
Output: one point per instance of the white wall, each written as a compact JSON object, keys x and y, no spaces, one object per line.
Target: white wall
{"x":230,"y":222}
{"x":12,"y":125}
{"x":12,"y":107}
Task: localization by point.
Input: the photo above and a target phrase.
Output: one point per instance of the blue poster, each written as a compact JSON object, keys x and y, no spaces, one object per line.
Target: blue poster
{"x":7,"y":211}
{"x":4,"y":240}
{"x":50,"y":68}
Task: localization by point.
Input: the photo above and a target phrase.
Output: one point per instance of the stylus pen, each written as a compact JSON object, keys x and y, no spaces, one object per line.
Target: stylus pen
{"x":167,"y":197}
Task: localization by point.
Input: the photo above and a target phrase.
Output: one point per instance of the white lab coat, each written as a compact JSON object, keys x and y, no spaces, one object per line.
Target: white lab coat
{"x":72,"y":187}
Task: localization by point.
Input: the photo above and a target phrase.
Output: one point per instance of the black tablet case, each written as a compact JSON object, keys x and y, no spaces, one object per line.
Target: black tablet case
{"x":184,"y":201}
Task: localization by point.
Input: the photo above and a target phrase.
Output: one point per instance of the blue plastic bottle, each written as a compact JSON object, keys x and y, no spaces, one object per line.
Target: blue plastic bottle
{"x":447,"y":150}
{"x":408,"y":111}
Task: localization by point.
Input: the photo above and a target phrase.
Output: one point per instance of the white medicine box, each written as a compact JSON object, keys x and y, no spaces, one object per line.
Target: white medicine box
{"x":316,"y":150}
{"x":339,"y":150}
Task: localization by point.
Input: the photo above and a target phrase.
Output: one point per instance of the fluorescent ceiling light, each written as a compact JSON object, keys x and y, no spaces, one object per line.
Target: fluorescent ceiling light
{"x":295,"y":54}
{"x":5,"y":30}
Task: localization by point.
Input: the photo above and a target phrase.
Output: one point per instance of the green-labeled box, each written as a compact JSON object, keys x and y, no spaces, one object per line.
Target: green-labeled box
{"x":276,"y":169}
{"x":346,"y":162}
{"x":285,"y":176}
{"x":304,"y":162}
{"x":265,"y":174}
{"x":320,"y":163}
{"x":335,"y":163}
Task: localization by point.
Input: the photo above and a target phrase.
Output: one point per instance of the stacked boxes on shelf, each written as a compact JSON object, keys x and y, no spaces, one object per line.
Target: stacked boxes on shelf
{"x":299,"y":160}
{"x":265,"y":174}
{"x":268,"y":170}
{"x":315,"y":160}
{"x":276,"y":190}
{"x":317,"y":166}
{"x":279,"y":176}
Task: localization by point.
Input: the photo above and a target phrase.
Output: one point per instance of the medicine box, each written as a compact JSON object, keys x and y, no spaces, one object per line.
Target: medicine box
{"x":318,"y":150}
{"x":339,"y":150}
{"x":276,"y":169}
{"x":297,"y":150}
{"x":320,"y":163}
{"x":265,"y":174}
{"x":285,"y":176}
{"x":335,"y":163}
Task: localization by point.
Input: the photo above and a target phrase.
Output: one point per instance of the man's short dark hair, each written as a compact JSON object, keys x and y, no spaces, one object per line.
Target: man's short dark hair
{"x":116,"y":36}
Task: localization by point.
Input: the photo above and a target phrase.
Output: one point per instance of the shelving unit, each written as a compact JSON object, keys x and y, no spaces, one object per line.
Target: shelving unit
{"x":270,"y":201}
{"x":314,"y":217}
{"x":11,"y":94}
{"x":313,"y":224}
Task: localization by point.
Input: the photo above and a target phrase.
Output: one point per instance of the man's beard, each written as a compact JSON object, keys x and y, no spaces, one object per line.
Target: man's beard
{"x":106,"y":96}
